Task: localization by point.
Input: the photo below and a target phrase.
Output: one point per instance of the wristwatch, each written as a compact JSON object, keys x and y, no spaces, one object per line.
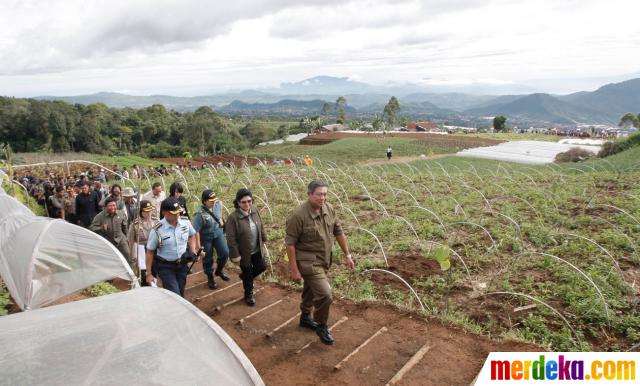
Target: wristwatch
{"x":348,"y":256}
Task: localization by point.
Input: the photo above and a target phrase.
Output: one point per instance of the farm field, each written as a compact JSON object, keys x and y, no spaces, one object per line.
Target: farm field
{"x":547,"y":254}
{"x":461,"y":255}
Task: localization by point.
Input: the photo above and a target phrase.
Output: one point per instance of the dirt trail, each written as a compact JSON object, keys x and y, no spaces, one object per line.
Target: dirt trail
{"x":294,"y":356}
{"x":395,"y":160}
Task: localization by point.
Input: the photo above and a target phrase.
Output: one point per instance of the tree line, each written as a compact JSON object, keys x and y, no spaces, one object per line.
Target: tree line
{"x":30,"y":125}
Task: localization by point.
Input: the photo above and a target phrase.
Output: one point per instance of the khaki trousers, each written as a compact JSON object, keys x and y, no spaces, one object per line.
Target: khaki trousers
{"x":316,"y":291}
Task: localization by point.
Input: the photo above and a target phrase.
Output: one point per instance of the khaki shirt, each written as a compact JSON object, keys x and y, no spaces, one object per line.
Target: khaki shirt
{"x":116,"y":227}
{"x":312,"y":233}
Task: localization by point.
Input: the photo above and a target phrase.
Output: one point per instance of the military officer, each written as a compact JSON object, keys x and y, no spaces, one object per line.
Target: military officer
{"x":167,"y":245}
{"x":208,"y":223}
{"x":310,"y":234}
{"x":112,"y":226}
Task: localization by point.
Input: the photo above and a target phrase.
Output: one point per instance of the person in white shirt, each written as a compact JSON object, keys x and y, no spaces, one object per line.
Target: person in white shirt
{"x":155,"y":196}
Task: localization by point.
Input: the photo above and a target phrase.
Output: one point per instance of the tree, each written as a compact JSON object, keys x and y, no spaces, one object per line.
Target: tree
{"x":326,"y":109}
{"x":341,"y":102}
{"x":630,"y":120}
{"x":391,"y":111}
{"x":256,"y":132}
{"x":500,"y":123}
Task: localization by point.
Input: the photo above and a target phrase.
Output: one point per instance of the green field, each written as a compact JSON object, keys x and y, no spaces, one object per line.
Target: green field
{"x":547,"y":254}
{"x":353,"y":150}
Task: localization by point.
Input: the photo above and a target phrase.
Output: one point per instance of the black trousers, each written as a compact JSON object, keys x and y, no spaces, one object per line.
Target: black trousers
{"x":252,"y":271}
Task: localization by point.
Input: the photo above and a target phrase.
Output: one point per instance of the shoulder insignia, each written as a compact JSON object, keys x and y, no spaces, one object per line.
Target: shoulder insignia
{"x":157,"y":226}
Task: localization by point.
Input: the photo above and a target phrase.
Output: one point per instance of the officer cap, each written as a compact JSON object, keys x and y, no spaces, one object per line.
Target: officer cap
{"x":171,"y":205}
{"x":146,"y":206}
{"x":209,"y":195}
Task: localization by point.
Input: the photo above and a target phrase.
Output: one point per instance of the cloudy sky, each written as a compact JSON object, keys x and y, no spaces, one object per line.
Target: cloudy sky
{"x":197,"y":47}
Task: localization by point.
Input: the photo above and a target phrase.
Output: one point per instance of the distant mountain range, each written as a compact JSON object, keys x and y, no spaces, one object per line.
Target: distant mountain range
{"x":305,"y":98}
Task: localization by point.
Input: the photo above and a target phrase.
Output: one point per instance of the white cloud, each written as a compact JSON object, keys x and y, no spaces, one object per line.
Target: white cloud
{"x":197,"y":46}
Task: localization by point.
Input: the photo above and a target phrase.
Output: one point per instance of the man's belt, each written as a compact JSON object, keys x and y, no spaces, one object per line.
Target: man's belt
{"x":176,"y":262}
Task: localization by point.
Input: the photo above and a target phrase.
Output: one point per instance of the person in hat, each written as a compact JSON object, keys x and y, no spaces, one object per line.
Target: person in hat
{"x":139,"y":235}
{"x":112,"y":226}
{"x":209,"y":225}
{"x":130,"y":204}
{"x":171,"y":245}
{"x":246,"y":236}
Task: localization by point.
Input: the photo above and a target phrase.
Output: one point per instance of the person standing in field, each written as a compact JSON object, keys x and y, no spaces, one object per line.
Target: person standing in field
{"x":155,"y":196}
{"x":311,"y":231}
{"x":173,"y":238}
{"x":176,"y":190}
{"x":87,"y":205}
{"x":139,"y":235}
{"x":208,"y":224}
{"x":389,"y":153}
{"x":112,"y":226}
{"x":246,"y":236}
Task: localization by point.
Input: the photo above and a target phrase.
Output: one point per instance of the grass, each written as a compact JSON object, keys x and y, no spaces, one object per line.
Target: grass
{"x":587,"y":213}
{"x":354,"y":149}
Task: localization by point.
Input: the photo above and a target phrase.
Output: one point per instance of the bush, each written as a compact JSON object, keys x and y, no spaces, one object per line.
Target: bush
{"x":5,"y":299}
{"x":611,"y":148}
{"x":575,"y":154}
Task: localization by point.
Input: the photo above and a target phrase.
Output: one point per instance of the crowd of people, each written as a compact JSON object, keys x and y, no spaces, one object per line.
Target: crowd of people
{"x":160,"y":235}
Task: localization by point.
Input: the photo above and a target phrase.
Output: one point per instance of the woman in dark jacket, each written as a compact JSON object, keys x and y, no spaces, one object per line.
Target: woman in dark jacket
{"x":245,"y":236}
{"x":176,"y":190}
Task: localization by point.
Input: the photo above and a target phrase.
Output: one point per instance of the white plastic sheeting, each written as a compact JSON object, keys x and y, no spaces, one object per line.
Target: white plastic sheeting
{"x":42,"y":259}
{"x":528,"y":152}
{"x":139,"y":337}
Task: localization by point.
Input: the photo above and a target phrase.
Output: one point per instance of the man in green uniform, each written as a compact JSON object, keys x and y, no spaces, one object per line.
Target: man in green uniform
{"x":311,"y":231}
{"x":112,"y":226}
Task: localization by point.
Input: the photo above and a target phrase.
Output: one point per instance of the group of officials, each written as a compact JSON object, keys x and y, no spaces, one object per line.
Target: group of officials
{"x":167,"y":241}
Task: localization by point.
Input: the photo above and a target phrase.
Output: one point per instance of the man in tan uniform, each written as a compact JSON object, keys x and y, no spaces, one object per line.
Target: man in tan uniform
{"x":311,"y":231}
{"x":112,"y":226}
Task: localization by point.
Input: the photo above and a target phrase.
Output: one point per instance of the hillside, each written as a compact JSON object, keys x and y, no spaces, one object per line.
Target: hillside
{"x":285,"y":106}
{"x":613,"y":100}
{"x":543,"y":107}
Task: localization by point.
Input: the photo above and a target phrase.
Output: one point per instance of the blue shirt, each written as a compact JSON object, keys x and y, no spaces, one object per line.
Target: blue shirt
{"x":204,"y":223}
{"x":174,"y":240}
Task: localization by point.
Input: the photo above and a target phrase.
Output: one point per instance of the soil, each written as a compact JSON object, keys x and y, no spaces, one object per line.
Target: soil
{"x":455,"y":357}
{"x":458,"y":140}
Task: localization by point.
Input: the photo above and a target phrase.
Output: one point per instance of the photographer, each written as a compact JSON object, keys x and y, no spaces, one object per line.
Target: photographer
{"x":167,"y":252}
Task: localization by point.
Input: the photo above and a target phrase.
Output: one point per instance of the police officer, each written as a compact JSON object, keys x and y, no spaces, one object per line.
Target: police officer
{"x":310,"y":234}
{"x":208,"y":223}
{"x":112,"y":226}
{"x":167,"y":253}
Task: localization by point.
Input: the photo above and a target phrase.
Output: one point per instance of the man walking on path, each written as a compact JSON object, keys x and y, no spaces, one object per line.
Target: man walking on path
{"x":112,"y":226}
{"x":311,"y":231}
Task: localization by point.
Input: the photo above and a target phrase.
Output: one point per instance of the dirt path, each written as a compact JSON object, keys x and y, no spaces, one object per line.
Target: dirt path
{"x":294,"y":356}
{"x":395,"y":160}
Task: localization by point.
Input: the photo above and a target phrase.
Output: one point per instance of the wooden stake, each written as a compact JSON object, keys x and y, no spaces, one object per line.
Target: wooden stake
{"x":409,"y":365}
{"x":216,"y":292}
{"x":270,"y":334}
{"x":218,"y":308}
{"x":354,"y":352}
{"x":336,"y":324}
{"x":241,"y":321}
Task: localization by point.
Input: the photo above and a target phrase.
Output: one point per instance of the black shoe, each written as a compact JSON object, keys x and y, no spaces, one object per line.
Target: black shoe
{"x":250,"y":300}
{"x":210,"y":282}
{"x":222,"y":275}
{"x":325,"y":335}
{"x":307,"y":322}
